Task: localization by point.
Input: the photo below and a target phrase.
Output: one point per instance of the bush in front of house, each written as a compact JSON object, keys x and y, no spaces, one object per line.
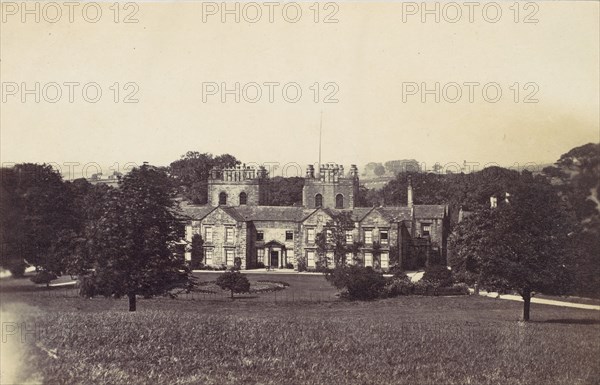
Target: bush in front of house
{"x":357,"y":282}
{"x":398,"y":285}
{"x":302,"y":264}
{"x":43,"y":277}
{"x":396,"y":270}
{"x":233,"y":281}
{"x":438,"y":276}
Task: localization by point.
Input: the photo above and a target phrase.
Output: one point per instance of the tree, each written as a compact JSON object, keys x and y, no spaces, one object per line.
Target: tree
{"x":332,"y":240}
{"x":197,"y":250}
{"x":191,"y":173}
{"x":234,"y":281}
{"x":285,"y":191}
{"x":379,"y":170}
{"x":405,"y":165}
{"x":134,"y":243}
{"x":577,"y":177}
{"x":37,"y":215}
{"x":521,"y":245}
{"x":362,"y":283}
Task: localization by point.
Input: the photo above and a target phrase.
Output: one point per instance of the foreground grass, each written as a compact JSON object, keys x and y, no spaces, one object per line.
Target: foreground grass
{"x":412,"y":340}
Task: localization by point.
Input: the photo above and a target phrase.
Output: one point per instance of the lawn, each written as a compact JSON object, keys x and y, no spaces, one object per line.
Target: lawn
{"x":410,"y":340}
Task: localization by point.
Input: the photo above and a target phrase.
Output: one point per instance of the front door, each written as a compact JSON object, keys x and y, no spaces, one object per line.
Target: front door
{"x":274,"y":258}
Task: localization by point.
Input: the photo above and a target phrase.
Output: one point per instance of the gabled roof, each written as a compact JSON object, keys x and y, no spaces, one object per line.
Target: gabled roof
{"x":310,"y":212}
{"x":232,"y":212}
{"x":359,"y":213}
{"x":195,"y":212}
{"x":430,"y":211}
{"x":395,"y":214}
{"x":272,"y":213}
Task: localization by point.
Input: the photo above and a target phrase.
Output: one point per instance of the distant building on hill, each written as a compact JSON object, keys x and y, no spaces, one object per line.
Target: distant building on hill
{"x":238,"y":222}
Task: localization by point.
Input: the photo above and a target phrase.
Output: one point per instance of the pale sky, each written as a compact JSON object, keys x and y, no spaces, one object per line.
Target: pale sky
{"x":370,"y":55}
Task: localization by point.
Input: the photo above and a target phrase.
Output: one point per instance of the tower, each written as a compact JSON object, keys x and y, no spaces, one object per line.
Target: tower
{"x":331,"y":188}
{"x":238,"y":186}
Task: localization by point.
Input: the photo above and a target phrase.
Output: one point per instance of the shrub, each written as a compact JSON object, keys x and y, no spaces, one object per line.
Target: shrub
{"x":234,"y":281}
{"x":302,"y":264}
{"x":43,"y":277}
{"x":237,"y":263}
{"x":398,"y":285}
{"x":438,"y":276}
{"x":289,"y":265}
{"x":17,"y":269}
{"x":260,"y":265}
{"x":397,"y":270}
{"x":424,"y":288}
{"x":361,"y":283}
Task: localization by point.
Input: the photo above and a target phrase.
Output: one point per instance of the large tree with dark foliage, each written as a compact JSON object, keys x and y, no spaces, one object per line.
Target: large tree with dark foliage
{"x":285,"y":191}
{"x":524,"y":244}
{"x":191,"y":173}
{"x":37,"y":215}
{"x":576,"y":176}
{"x":135,"y":239}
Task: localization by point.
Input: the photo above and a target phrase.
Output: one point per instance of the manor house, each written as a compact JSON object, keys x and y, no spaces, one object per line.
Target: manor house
{"x":238,"y":222}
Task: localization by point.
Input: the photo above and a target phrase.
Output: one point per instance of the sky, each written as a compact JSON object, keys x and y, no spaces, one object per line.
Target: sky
{"x":377,"y":67}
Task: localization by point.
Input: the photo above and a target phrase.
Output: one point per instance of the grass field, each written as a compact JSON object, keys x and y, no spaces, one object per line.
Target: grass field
{"x":410,"y":340}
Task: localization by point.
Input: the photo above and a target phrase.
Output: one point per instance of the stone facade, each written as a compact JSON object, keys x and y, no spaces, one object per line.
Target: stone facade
{"x":262,"y":235}
{"x":233,"y":183}
{"x":335,"y":189}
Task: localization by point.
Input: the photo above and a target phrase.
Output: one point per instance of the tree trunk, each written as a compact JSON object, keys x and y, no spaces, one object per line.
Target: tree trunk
{"x":231,"y":294}
{"x":132,"y":301}
{"x":526,"y":304}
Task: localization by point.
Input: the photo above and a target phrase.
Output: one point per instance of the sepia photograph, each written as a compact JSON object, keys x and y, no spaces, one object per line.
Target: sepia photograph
{"x":300,"y":193}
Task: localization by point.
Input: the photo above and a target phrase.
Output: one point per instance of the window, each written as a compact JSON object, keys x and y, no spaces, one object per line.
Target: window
{"x":383,"y":236}
{"x":260,"y":255}
{"x":385,"y":260}
{"x":223,"y":198}
{"x":289,"y":235}
{"x":349,"y":259}
{"x":229,"y":235}
{"x":339,"y":201}
{"x":208,"y":232}
{"x":260,"y":236}
{"x":368,"y":259}
{"x":243,"y":198}
{"x":349,"y":237}
{"x":229,"y":256}
{"x":208,"y":256}
{"x":310,"y":258}
{"x":318,"y":200}
{"x":329,"y":234}
{"x":310,"y":235}
{"x":426,"y":229}
{"x":330,"y":259}
{"x":368,"y":237}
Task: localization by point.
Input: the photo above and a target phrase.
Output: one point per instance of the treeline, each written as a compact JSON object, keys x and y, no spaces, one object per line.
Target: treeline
{"x":46,"y":221}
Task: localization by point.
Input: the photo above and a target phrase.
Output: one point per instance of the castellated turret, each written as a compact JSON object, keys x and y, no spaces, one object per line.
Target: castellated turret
{"x":331,"y":187}
{"x":237,"y":186}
